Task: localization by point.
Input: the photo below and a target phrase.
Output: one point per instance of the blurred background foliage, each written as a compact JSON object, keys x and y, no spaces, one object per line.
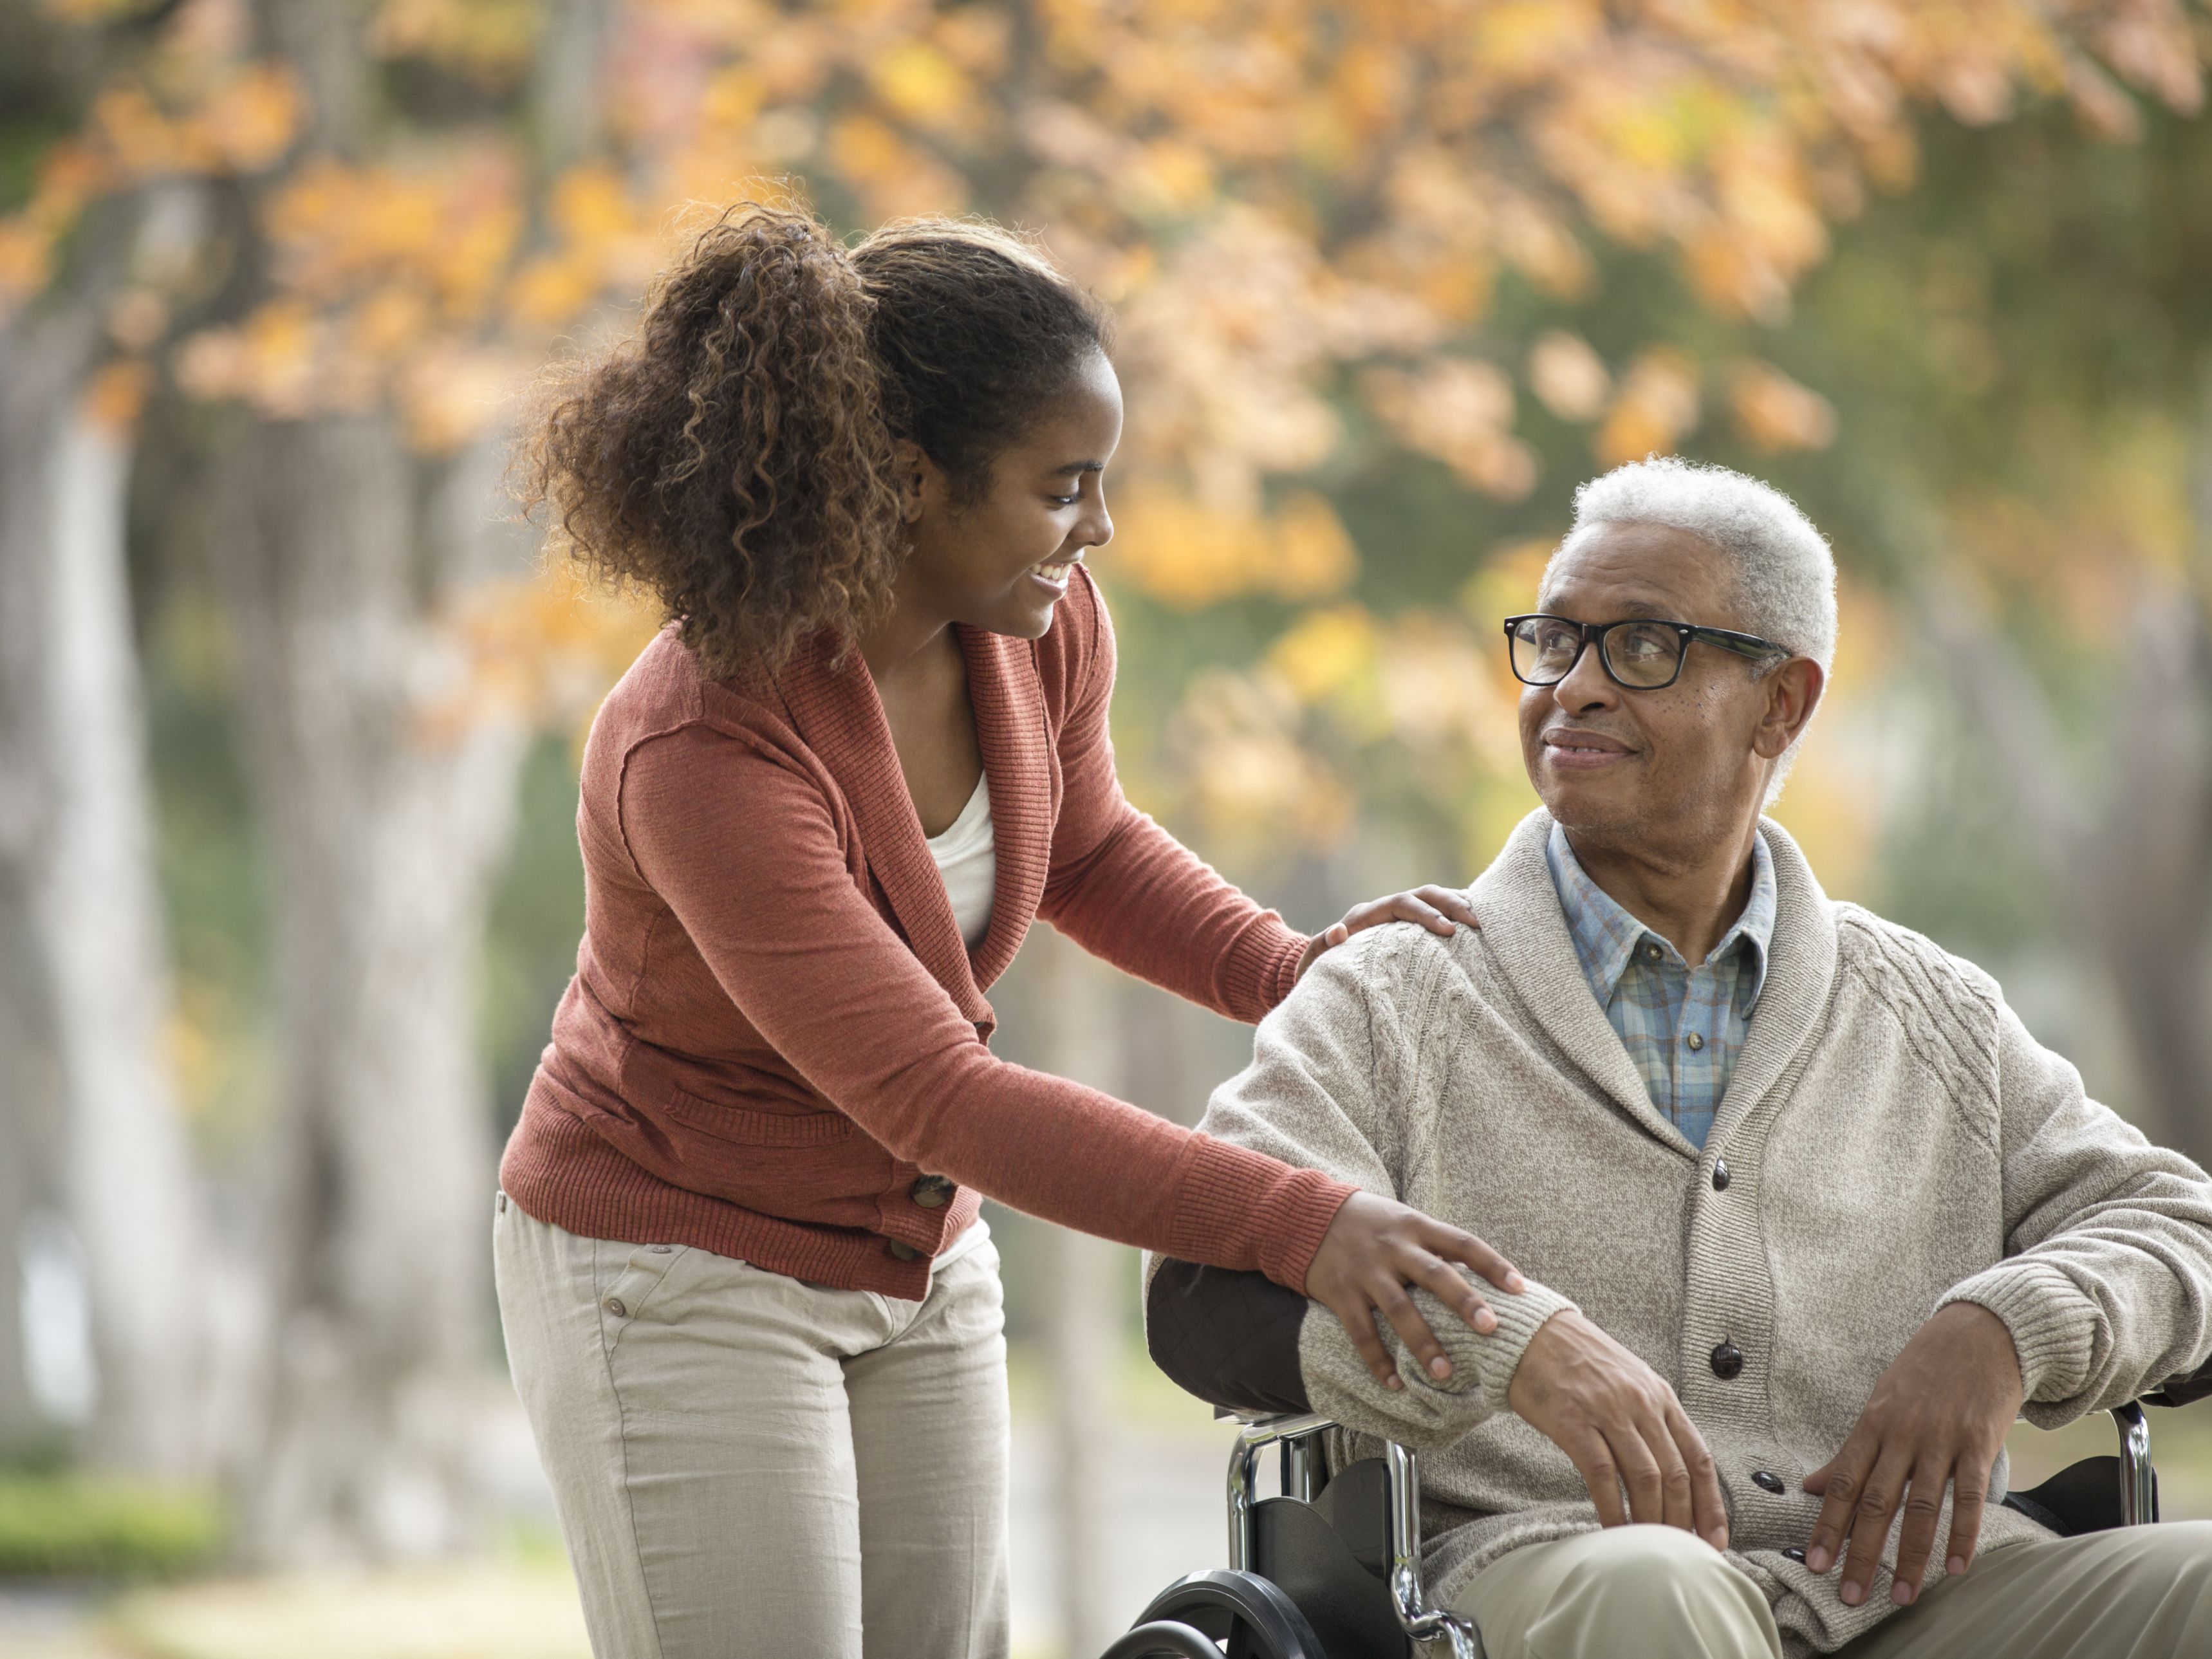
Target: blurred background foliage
{"x":290,"y":706}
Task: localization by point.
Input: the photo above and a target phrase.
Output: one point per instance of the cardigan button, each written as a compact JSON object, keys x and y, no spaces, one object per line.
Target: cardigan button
{"x":1765,"y":1481}
{"x":900,"y":1250}
{"x":1727,"y":1361}
{"x":931,"y":1192}
{"x":1794,"y":1554}
{"x":1720,"y":1174}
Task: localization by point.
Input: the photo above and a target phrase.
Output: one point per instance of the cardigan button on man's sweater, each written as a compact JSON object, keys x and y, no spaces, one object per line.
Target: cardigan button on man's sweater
{"x":1728,"y":1362}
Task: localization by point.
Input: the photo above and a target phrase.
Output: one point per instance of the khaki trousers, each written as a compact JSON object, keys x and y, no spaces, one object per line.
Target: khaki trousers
{"x":1658,"y":1593}
{"x":745,"y":1464}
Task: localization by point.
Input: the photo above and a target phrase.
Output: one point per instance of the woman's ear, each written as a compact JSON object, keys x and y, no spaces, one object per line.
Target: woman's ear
{"x":922,"y":485}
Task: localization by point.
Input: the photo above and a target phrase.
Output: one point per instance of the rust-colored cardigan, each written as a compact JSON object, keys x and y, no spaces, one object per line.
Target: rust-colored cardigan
{"x":774,"y":1030}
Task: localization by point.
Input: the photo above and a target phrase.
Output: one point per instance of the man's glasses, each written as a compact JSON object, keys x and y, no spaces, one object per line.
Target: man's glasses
{"x":1638,"y":654}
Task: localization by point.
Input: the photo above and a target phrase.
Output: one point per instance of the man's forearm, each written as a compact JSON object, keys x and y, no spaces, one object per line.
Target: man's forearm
{"x":1229,"y":1338}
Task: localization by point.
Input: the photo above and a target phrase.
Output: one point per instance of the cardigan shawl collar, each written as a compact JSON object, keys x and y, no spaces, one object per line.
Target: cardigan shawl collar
{"x":1526,"y":931}
{"x":834,"y":705}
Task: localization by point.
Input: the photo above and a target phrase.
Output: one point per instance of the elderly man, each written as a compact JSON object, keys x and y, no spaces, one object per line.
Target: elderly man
{"x":1805,"y":1214}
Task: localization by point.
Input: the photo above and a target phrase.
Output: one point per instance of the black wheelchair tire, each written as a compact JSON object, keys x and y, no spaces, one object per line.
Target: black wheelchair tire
{"x":1163,"y":1638}
{"x":1250,"y":1614}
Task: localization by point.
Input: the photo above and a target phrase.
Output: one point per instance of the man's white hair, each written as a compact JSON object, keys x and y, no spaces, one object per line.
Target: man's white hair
{"x":1784,"y":573}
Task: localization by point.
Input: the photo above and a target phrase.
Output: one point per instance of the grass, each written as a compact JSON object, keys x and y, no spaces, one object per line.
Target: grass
{"x":76,"y":1525}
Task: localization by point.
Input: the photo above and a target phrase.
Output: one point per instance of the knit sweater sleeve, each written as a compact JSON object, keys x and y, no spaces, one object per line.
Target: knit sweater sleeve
{"x":741,"y":846}
{"x":2107,"y":1285}
{"x":1326,"y":1090}
{"x":1198,"y":935}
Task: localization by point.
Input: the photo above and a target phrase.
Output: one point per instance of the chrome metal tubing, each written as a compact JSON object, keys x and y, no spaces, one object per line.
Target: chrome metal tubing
{"x":1254,"y":1436}
{"x":2138,"y":1480}
{"x":1421,"y":1622}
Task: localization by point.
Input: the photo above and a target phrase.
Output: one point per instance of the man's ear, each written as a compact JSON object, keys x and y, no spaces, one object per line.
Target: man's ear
{"x":1793,"y":692}
{"x":920,"y":480}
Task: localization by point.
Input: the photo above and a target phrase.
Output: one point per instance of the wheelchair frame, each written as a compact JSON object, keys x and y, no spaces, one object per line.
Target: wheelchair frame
{"x":1426,"y":1625}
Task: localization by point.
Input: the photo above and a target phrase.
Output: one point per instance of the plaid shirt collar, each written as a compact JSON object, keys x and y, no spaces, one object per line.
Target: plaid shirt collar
{"x":1606,"y":936}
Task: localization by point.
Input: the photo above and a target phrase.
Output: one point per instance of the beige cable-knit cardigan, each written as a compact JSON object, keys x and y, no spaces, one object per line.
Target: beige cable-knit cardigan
{"x":1894,"y":1140}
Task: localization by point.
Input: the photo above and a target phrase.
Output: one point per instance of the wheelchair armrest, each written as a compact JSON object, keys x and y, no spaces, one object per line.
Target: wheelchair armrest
{"x":2183,"y":1390}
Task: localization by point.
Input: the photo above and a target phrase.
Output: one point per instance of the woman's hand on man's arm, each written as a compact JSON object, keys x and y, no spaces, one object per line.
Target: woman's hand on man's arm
{"x":1374,"y":1249}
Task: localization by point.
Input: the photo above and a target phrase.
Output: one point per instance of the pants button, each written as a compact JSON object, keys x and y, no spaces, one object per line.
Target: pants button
{"x":614,"y":1307}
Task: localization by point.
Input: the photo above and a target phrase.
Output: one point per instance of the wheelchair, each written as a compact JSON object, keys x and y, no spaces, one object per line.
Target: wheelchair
{"x":1332,"y":1568}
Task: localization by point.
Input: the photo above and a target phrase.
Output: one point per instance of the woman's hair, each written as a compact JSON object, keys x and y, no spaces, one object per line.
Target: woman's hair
{"x":736,"y":456}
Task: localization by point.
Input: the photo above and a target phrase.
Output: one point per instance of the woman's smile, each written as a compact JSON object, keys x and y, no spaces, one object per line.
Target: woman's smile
{"x":1056,"y":572}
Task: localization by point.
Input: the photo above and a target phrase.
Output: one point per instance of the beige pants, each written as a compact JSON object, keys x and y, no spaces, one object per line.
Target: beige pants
{"x":1658,"y":1593}
{"x":748,"y":1465}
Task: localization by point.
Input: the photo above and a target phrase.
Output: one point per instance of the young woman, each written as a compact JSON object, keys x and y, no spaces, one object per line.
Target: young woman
{"x":749,"y":1302}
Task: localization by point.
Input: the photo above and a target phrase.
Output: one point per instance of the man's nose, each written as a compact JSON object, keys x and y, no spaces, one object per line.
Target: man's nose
{"x":1587,"y":686}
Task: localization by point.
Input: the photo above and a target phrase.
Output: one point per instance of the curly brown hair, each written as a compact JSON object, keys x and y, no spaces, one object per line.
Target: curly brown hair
{"x":736,"y":455}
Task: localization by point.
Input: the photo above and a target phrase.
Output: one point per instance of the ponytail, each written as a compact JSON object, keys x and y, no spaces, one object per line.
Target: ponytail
{"x":736,"y":457}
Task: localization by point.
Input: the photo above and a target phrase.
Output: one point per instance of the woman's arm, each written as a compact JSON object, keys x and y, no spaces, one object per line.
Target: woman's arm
{"x":741,"y":847}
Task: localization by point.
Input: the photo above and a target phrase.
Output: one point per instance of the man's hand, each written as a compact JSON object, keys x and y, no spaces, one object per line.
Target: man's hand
{"x":1938,"y":1416}
{"x":1622,"y":1425}
{"x":1372,"y":1251}
{"x":1435,"y":907}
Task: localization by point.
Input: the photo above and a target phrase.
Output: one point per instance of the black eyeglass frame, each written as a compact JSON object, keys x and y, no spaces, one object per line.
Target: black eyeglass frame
{"x":1593,"y":634}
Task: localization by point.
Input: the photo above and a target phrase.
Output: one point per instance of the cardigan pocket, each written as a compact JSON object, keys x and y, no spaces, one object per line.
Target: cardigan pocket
{"x":741,"y":1127}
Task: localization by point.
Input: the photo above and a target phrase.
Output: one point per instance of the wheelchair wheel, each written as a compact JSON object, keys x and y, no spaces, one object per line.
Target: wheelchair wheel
{"x":1249,"y":1613}
{"x":1163,"y":1639}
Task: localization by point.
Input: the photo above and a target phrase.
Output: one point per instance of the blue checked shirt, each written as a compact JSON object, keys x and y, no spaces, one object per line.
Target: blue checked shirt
{"x":1683,"y":1029}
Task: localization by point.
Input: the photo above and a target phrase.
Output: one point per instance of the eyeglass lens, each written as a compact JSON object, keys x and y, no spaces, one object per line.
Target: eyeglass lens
{"x":1638,"y":654}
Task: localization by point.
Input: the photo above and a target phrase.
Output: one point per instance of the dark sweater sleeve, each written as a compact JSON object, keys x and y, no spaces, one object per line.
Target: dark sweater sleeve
{"x":1231,"y":1338}
{"x":1202,"y":937}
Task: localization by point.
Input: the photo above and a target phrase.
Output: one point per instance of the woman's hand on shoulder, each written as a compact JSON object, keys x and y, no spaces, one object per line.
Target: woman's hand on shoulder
{"x":1437,"y":908}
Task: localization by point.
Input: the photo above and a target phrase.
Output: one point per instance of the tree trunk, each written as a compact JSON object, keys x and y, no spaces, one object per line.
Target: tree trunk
{"x":2128,"y":854}
{"x":385,"y":783}
{"x":42,"y":363}
{"x":130,"y":1179}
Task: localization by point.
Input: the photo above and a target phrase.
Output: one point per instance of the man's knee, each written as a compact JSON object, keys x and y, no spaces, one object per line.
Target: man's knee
{"x":1647,"y":1562}
{"x":1668,"y":1584}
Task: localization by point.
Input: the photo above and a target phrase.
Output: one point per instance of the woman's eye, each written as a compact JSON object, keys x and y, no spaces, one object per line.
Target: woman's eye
{"x":1065,"y":501}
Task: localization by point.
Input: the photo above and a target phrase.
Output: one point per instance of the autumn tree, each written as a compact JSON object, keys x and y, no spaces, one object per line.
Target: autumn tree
{"x":1377,"y":266}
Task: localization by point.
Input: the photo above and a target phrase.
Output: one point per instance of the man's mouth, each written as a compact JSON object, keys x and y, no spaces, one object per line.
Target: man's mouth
{"x":1572,"y":748}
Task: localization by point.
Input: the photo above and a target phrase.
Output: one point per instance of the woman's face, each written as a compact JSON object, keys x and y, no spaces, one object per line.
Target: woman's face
{"x":1002,"y":561}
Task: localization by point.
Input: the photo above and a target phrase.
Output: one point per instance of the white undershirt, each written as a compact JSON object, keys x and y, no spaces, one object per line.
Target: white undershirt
{"x":968,"y":860}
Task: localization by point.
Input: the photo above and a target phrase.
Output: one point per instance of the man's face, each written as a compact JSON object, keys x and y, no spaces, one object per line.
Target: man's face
{"x":1672,"y":770}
